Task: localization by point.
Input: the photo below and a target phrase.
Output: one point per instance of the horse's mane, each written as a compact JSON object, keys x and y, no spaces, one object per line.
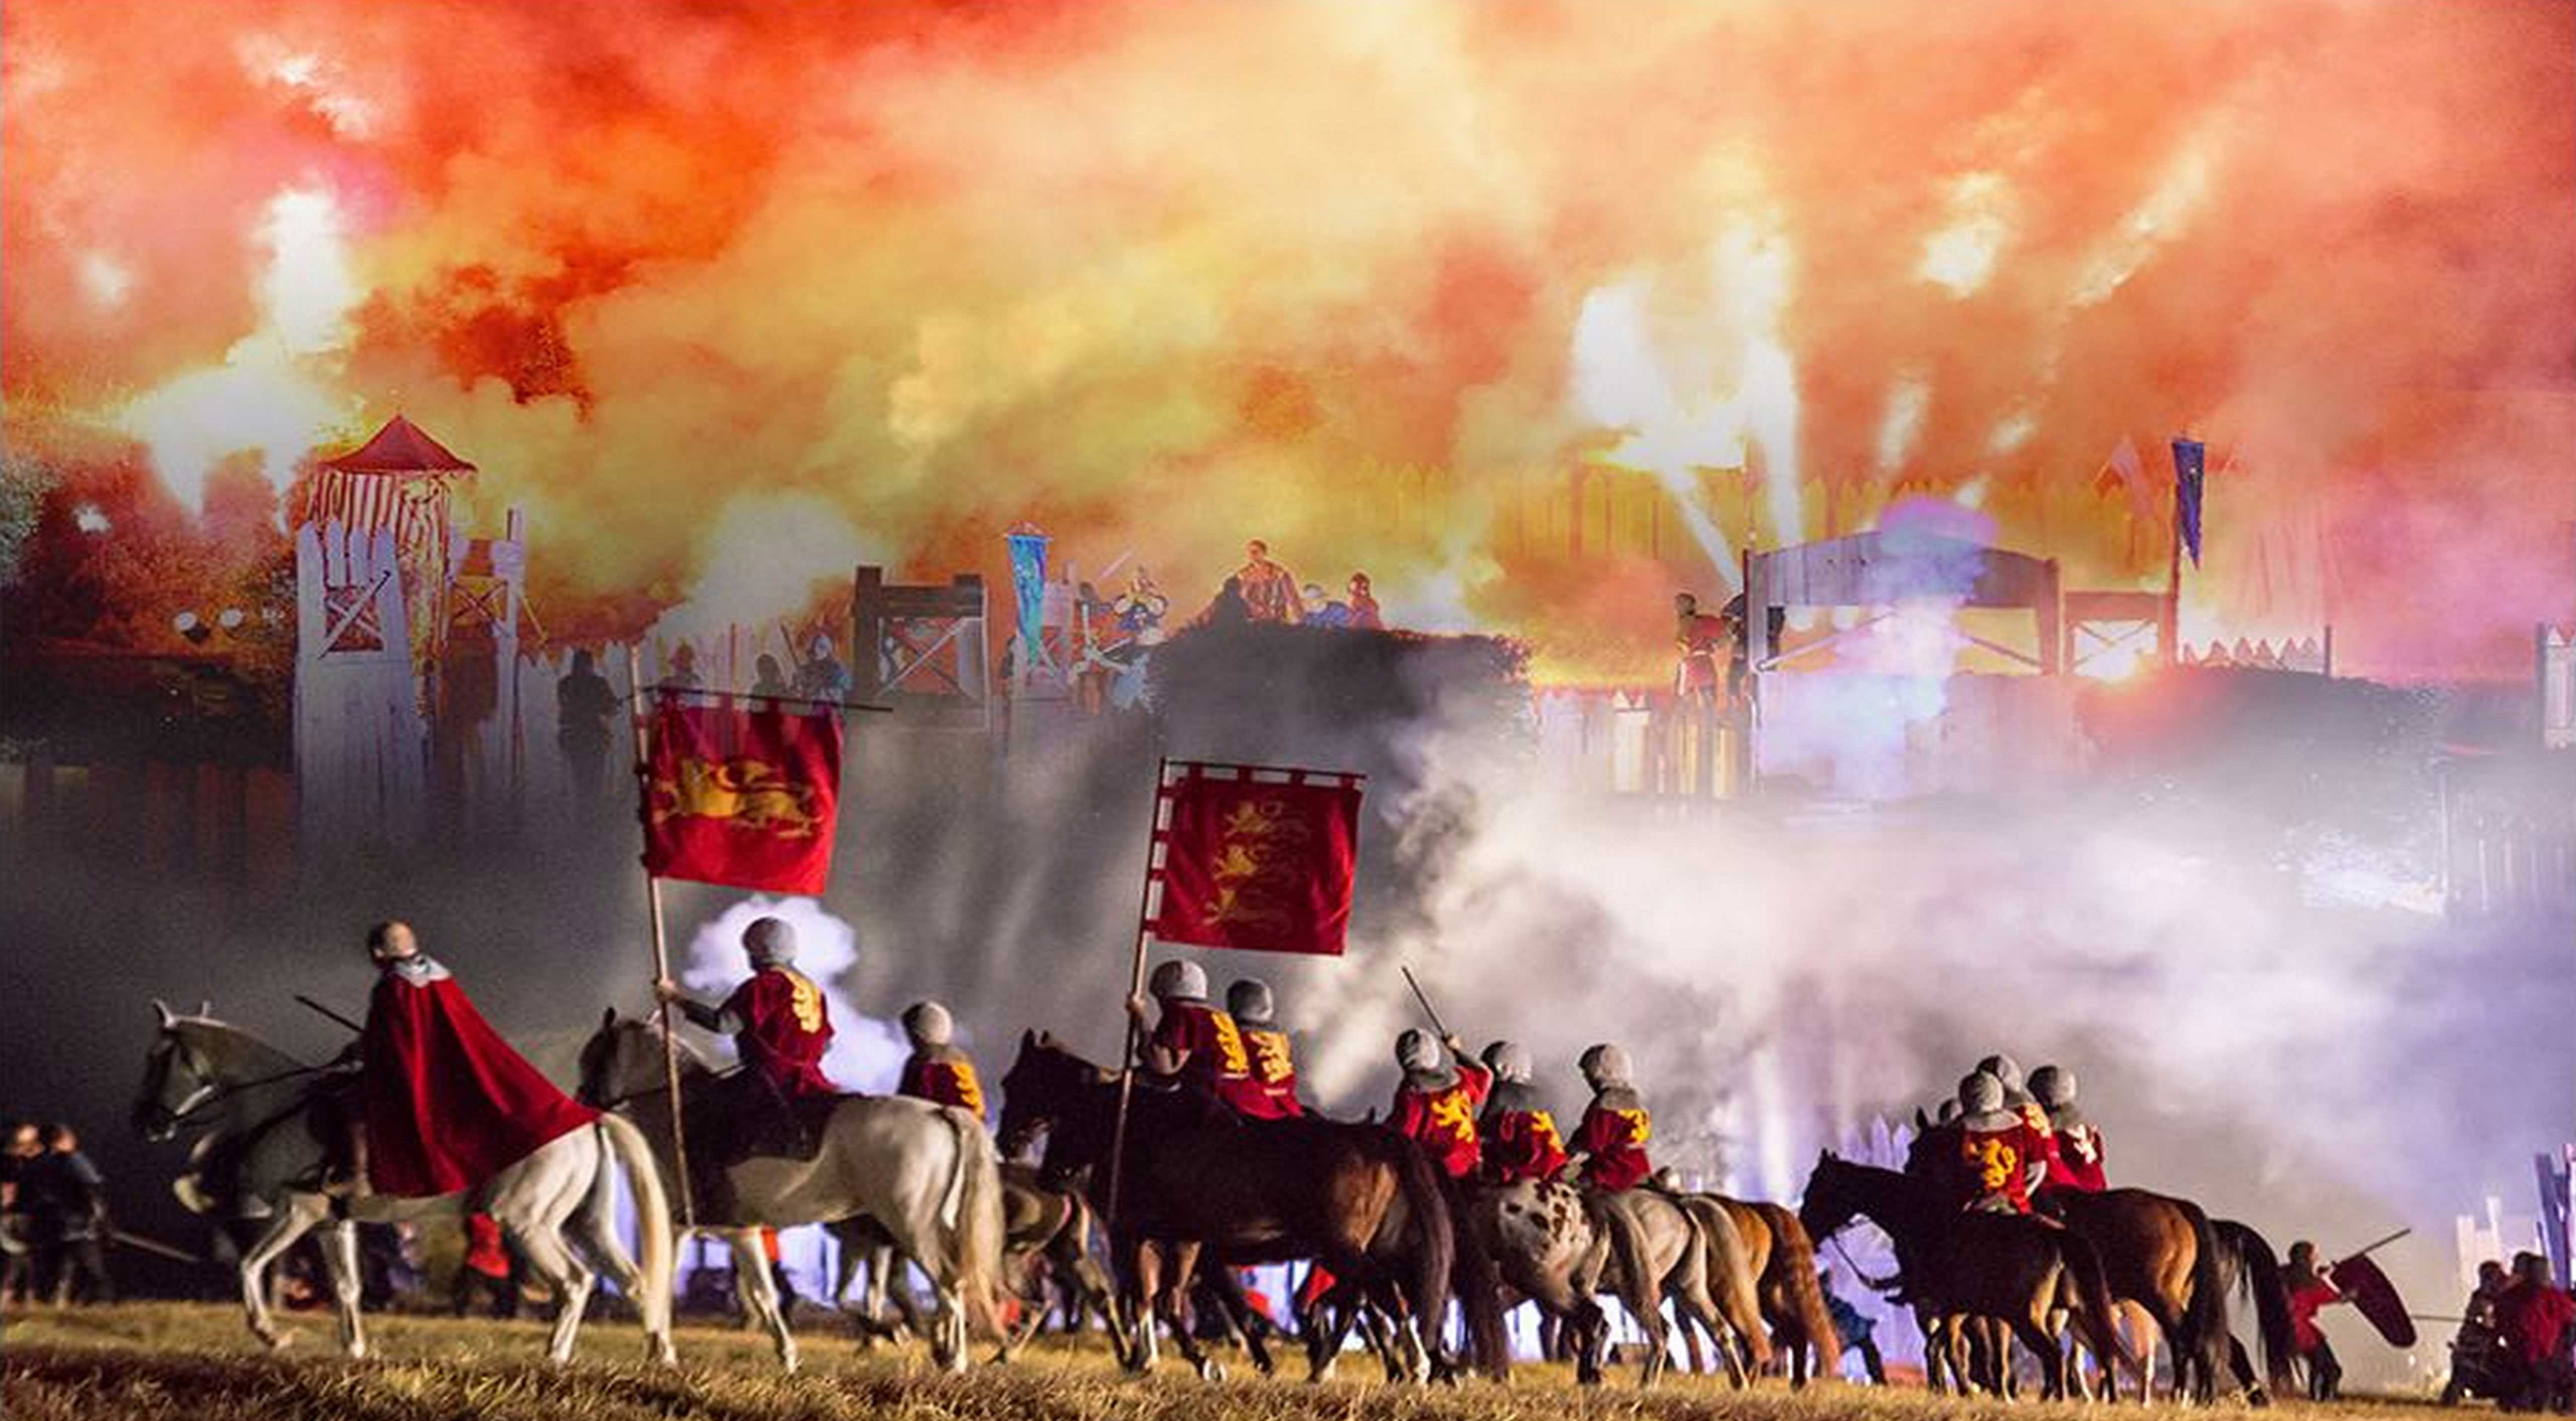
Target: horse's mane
{"x":691,"y":1059}
{"x":257,"y":1054}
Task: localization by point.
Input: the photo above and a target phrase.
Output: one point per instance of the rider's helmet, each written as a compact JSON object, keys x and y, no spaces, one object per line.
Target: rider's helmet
{"x":1179,"y":980}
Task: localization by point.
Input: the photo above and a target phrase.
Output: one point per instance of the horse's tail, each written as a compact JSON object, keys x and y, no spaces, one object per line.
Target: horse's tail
{"x":2095,"y":1313}
{"x":1795,"y":1253}
{"x":2204,"y":1318}
{"x":973,"y":1212}
{"x":2259,"y":1269}
{"x":1730,"y":1272}
{"x":1430,"y":1239}
{"x":1479,"y":1288}
{"x":653,"y":1233}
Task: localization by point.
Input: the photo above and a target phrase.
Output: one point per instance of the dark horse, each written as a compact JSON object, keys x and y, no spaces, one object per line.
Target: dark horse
{"x":1359,"y":1199}
{"x":2011,"y":1267}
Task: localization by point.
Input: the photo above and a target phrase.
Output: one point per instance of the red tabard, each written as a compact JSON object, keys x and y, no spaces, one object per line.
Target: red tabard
{"x":786,"y":1030}
{"x":1616,"y":1141}
{"x":1258,"y":864}
{"x":1274,"y":1074}
{"x":943,"y":1075}
{"x":1996,"y":1164}
{"x":1522,"y":1145}
{"x":1443,"y":1122}
{"x":448,"y":1104}
{"x":2077,"y":1162}
{"x":1212,"y":1055}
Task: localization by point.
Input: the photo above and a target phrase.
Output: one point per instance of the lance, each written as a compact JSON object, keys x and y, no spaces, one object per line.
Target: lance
{"x":1423,"y":1001}
{"x":1135,"y":1037}
{"x":155,"y":1247}
{"x":2383,"y":1243}
{"x":335,"y":1016}
{"x":643,"y":725}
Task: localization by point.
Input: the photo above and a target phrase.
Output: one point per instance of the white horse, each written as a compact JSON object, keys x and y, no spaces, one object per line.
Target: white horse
{"x":258,"y":1105}
{"x":925,"y":1175}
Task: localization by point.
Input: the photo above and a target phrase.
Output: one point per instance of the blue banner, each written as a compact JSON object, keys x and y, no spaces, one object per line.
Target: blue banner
{"x":2189,"y":457}
{"x":1028,"y":586}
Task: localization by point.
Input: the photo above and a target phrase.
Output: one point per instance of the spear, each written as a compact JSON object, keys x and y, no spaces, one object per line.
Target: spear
{"x":335,"y":1016}
{"x":1423,"y":1001}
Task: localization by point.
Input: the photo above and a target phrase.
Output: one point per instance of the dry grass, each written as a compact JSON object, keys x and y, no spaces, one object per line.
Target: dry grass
{"x":197,"y":1363}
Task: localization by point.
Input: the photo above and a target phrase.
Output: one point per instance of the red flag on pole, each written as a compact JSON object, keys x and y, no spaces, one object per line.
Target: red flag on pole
{"x":1253,"y":858}
{"x":741,"y":797}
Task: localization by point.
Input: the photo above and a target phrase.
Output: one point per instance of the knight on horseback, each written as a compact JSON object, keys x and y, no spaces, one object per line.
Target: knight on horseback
{"x":1997,"y":1149}
{"x":1610,"y":1144}
{"x":781,"y":1030}
{"x":1519,"y":1132}
{"x":937,"y":1070}
{"x":2076,"y":1162}
{"x":1274,"y":1065}
{"x":1194,"y":1044}
{"x":1436,"y":1102}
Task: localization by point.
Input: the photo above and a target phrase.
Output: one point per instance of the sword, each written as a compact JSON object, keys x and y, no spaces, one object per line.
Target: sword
{"x":1423,"y":1001}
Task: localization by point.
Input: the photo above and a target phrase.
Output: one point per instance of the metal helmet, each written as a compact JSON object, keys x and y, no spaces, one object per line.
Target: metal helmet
{"x":2003,"y":1068}
{"x":1180,"y":980}
{"x":1980,"y":1092}
{"x":1416,"y":1050}
{"x":928,"y":1024}
{"x":1508,"y":1060}
{"x":820,"y":648}
{"x":1248,"y":1001}
{"x":2053,"y":1087}
{"x":1604,"y":1065}
{"x":770,"y":941}
{"x":1948,"y":1112}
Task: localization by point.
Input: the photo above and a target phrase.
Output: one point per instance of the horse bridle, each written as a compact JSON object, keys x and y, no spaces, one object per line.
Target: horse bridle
{"x":207,"y":1094}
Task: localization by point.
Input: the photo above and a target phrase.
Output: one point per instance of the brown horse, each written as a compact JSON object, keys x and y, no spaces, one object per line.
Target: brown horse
{"x":1359,"y":1199}
{"x":1782,"y":1259}
{"x":2011,"y":1267}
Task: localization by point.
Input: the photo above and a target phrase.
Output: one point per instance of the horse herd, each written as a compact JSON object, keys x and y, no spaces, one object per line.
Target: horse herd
{"x":906,"y":1183}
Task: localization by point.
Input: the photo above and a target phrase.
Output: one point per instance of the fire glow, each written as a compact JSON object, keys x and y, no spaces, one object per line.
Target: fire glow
{"x":1133,"y":273}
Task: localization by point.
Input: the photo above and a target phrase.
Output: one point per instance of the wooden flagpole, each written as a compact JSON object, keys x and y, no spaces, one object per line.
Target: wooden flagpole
{"x":1135,"y":988}
{"x":661,"y":953}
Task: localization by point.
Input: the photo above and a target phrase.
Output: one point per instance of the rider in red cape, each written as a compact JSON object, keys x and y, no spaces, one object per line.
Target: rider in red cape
{"x":447,"y":1104}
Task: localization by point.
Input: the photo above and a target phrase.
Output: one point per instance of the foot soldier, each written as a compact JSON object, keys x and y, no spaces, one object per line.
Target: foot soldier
{"x":937,"y":1070}
{"x":1194,"y":1043}
{"x":1436,"y":1103}
{"x":1610,"y":1144}
{"x":1274,"y":1067}
{"x":1519,"y":1133}
{"x":781,"y":1031}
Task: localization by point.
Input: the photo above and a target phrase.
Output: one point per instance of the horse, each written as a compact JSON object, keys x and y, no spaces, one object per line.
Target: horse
{"x":1360,"y":1199}
{"x":2246,"y":1260}
{"x":259,"y":1108}
{"x":1781,"y":1259}
{"x":2011,"y":1267}
{"x":926,"y":1174}
{"x":1046,"y":1240}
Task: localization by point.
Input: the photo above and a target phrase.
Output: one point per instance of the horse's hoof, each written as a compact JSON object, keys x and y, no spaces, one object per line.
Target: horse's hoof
{"x":277,"y":1341}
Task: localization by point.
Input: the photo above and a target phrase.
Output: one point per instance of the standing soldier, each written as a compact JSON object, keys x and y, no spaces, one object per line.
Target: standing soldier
{"x":445,"y":1102}
{"x":821,"y":676}
{"x":1436,"y":1103}
{"x":1274,"y":1068}
{"x":1193,"y":1042}
{"x":1698,"y":640}
{"x":937,"y":1071}
{"x":781,"y":1031}
{"x":1998,"y":1148}
{"x":2075,"y":1161}
{"x":1519,"y":1133}
{"x":1610,"y":1144}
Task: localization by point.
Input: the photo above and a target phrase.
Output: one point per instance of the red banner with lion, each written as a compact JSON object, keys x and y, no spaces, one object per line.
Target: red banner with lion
{"x":1256,"y":859}
{"x":746,"y":798}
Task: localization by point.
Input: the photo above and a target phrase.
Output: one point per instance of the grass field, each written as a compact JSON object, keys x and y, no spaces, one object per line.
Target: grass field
{"x":193,"y":1362}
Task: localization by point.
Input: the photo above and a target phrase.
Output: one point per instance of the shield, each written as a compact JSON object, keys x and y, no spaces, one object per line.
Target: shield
{"x":2375,"y":1298}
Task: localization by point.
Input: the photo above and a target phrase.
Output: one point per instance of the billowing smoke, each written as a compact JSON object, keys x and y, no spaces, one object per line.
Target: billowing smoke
{"x":867,"y":1053}
{"x":1373,"y":282}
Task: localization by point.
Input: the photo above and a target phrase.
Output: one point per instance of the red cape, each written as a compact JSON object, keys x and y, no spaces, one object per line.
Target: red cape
{"x":448,"y":1103}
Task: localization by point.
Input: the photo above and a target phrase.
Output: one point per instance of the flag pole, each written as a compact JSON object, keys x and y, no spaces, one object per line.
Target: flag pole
{"x":1135,"y":987}
{"x":661,"y":953}
{"x":2171,"y":632}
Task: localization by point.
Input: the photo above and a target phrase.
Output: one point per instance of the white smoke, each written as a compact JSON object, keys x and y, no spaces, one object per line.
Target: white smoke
{"x":867,"y":1054}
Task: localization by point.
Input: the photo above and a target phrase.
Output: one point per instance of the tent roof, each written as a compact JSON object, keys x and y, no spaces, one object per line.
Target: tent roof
{"x":399,"y":448}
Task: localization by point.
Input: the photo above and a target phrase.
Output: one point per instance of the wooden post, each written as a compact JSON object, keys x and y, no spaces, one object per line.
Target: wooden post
{"x":1135,"y":987}
{"x":661,"y":953}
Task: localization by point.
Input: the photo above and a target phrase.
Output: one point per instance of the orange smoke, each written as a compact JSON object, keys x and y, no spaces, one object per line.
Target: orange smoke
{"x":1532,"y":311}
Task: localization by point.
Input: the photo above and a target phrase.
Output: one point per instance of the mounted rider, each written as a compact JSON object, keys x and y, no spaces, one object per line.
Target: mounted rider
{"x":2019,"y":1100}
{"x":781,"y":1031}
{"x":1998,"y":1149}
{"x":1610,"y":1144}
{"x":443,"y":1102}
{"x":2076,"y":1161}
{"x":1436,"y":1102}
{"x":1274,"y":1064}
{"x":938,"y":1070}
{"x":1519,"y":1132}
{"x":1195,"y":1044}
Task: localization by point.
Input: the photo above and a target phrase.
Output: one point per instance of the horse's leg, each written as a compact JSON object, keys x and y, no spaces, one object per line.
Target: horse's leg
{"x":348,"y":1284}
{"x":1176,"y":1308}
{"x":595,"y":1233}
{"x":301,"y":1213}
{"x":1085,"y":1282}
{"x":541,"y":1242}
{"x":1144,"y":1275}
{"x":759,"y":1294}
{"x":2032,"y":1329}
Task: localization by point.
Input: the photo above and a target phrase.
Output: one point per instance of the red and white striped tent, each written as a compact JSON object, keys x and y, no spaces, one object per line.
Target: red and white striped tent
{"x":400,"y":479}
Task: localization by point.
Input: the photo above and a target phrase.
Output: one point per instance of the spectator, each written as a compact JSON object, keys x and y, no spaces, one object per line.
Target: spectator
{"x":70,"y":1216}
{"x":1229,"y":609}
{"x":1321,"y":612}
{"x":1364,"y":615}
{"x":17,"y":1229}
{"x":1269,"y":590}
